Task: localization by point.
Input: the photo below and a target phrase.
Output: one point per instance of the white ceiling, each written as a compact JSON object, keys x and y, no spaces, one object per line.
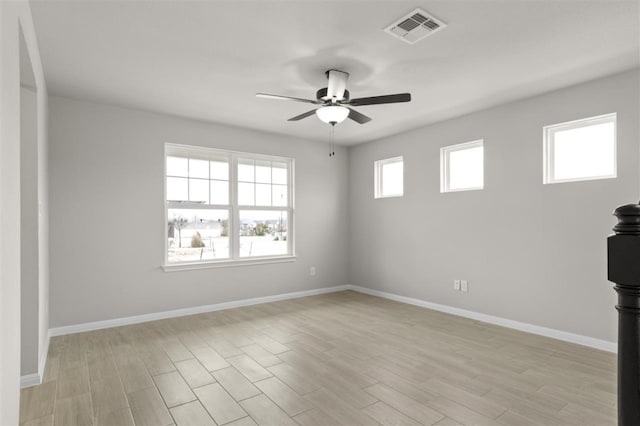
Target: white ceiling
{"x":207,"y":59}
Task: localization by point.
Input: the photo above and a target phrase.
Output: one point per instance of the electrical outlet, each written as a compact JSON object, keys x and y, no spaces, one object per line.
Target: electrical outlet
{"x":456,"y":285}
{"x":464,"y":286}
{"x":312,"y":271}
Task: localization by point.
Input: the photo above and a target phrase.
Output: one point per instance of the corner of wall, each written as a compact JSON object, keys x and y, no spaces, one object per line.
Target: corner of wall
{"x":13,"y":16}
{"x":26,"y":22}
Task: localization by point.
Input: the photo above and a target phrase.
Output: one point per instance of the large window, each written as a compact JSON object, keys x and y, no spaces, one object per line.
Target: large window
{"x":226,"y":206}
{"x":389,"y":178}
{"x":462,"y":167}
{"x":580,"y":150}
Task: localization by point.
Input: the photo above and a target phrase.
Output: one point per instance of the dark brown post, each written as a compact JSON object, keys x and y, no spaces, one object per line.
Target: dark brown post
{"x":624,"y":271}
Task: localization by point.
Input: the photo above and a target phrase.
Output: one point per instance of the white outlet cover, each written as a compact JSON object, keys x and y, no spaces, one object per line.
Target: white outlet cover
{"x":464,"y":286}
{"x":456,"y":285}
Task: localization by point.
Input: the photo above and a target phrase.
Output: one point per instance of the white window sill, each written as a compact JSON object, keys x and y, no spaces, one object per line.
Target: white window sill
{"x":580,"y":179}
{"x":377,"y":197}
{"x":477,"y":188}
{"x":227,"y":263}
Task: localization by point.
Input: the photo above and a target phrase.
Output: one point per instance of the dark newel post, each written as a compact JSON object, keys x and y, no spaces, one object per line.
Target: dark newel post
{"x":624,"y":271}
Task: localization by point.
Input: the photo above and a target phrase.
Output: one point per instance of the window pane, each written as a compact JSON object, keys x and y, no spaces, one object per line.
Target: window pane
{"x":198,"y":168}
{"x":219,"y":170}
{"x":177,"y":166}
{"x":197,"y":234}
{"x":392,"y":179}
{"x":246,"y":194}
{"x":199,"y":190}
{"x":263,"y":171}
{"x":388,"y":177}
{"x":263,"y":233}
{"x":219,"y":192}
{"x":466,"y":168}
{"x":279,"y":173}
{"x":263,"y":195}
{"x":584,"y":152}
{"x":245,"y":170}
{"x":279,"y":195}
{"x":177,"y":189}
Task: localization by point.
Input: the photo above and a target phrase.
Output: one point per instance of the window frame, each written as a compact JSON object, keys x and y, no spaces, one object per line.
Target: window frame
{"x":445,"y":168}
{"x":378,"y":176}
{"x":234,"y":209}
{"x":548,"y":146}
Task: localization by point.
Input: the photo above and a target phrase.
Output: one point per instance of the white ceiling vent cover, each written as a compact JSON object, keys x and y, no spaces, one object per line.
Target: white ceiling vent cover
{"x":415,"y":26}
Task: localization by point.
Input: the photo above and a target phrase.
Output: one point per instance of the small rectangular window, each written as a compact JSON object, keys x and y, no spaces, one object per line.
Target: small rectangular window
{"x":580,"y":150}
{"x":389,"y":177}
{"x":462,"y":167}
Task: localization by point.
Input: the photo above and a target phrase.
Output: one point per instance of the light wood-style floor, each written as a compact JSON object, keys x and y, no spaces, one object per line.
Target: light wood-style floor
{"x":336,"y":359}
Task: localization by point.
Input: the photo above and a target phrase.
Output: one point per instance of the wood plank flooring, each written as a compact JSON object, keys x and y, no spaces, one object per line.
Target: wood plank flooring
{"x":336,"y":359}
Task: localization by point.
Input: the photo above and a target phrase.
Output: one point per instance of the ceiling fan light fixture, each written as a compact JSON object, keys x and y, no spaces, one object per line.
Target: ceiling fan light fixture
{"x":332,"y":113}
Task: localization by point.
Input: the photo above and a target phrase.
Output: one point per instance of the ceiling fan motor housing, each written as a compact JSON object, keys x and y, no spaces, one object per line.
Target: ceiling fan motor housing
{"x":321,"y":95}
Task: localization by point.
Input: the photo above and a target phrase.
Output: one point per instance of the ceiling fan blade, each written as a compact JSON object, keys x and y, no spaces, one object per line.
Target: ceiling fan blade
{"x":301,"y":116}
{"x":357,"y":117}
{"x":286,"y":98}
{"x":337,"y":84}
{"x":386,"y":99}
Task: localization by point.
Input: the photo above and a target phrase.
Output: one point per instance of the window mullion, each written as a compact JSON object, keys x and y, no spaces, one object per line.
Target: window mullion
{"x":267,"y":208}
{"x":166,"y":212}
{"x":234,"y":238}
{"x":189,"y":178}
{"x":209,"y":180}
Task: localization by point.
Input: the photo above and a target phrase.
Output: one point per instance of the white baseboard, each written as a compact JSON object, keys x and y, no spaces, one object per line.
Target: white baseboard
{"x":29,"y":380}
{"x":117,"y":322}
{"x":529,"y":328}
{"x":42,"y":363}
{"x":35,"y":379}
{"x":516,"y":325}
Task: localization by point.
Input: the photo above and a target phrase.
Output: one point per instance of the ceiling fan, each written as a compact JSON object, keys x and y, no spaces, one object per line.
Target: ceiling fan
{"x":334,"y":102}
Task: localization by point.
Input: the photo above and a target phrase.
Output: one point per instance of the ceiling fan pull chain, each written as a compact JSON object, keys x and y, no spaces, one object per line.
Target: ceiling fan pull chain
{"x":332,"y":139}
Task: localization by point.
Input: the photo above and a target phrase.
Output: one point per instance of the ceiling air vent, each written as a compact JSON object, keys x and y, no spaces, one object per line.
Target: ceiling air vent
{"x":415,"y":26}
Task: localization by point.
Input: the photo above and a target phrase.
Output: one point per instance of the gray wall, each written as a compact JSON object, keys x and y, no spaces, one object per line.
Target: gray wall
{"x":531,"y":252}
{"x":28,"y":232}
{"x":106,"y":169}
